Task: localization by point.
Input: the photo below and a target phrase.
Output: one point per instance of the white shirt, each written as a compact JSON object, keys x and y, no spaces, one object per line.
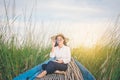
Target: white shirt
{"x":62,"y":54}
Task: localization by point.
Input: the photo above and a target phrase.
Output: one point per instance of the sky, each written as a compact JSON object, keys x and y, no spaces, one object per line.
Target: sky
{"x":82,"y":21}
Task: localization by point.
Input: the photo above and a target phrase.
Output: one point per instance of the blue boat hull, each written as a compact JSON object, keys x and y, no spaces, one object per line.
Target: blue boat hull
{"x":32,"y":73}
{"x":86,"y":74}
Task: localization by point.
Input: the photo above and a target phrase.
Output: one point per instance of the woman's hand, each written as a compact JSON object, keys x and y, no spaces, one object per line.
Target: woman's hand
{"x":59,"y":61}
{"x":53,"y":46}
{"x":53,"y":43}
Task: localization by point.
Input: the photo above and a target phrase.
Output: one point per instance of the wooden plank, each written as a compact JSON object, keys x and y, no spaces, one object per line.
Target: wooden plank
{"x":72,"y":73}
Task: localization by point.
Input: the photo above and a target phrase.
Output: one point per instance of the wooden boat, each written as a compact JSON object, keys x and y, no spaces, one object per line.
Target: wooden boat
{"x":75,"y":71}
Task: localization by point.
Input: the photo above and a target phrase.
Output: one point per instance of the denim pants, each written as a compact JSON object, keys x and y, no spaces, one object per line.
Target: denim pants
{"x":52,"y":66}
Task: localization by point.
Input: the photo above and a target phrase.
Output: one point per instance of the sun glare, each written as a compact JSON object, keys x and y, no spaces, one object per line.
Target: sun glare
{"x":86,"y":37}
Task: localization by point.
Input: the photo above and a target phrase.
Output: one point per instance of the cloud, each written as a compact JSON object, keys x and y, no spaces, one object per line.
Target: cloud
{"x":67,"y":9}
{"x":62,"y":10}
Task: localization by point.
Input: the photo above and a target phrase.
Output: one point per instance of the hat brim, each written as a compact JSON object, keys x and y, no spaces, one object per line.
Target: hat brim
{"x":53,"y":38}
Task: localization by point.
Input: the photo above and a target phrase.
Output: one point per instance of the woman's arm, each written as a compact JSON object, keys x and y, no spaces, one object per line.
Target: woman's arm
{"x":59,"y":61}
{"x":52,"y":54}
{"x":67,"y":56}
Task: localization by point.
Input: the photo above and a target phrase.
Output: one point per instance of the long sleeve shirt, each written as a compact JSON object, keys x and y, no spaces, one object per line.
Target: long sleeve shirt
{"x":62,"y":53}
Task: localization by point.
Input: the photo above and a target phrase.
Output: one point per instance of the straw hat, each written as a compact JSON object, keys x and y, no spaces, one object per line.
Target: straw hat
{"x":54,"y":37}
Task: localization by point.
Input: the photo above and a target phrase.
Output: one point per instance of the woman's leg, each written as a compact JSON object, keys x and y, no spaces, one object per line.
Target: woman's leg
{"x":60,"y":72}
{"x":44,"y":66}
{"x":42,"y":74}
{"x":53,"y":66}
{"x":61,"y":66}
{"x":50,"y":68}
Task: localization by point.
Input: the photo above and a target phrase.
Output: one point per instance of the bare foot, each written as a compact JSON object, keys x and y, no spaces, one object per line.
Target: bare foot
{"x":42,"y":74}
{"x":60,"y":72}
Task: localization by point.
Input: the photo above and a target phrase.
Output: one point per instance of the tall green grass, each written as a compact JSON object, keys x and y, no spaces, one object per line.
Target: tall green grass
{"x":103,"y":63}
{"x":102,"y":60}
{"x":18,"y":56}
{"x":16,"y":60}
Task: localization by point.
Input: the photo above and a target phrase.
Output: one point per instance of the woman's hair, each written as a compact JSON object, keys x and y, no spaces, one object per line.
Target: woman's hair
{"x":61,"y":35}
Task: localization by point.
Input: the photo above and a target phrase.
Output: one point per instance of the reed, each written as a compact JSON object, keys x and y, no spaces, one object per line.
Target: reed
{"x":102,"y":60}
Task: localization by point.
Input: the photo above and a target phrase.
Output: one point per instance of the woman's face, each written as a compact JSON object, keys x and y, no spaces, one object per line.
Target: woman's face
{"x":60,"y":40}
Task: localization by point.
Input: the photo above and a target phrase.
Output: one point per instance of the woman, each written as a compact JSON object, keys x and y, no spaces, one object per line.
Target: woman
{"x":61,"y":52}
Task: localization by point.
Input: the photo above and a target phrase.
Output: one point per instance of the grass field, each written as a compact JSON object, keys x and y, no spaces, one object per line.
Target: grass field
{"x":102,"y":60}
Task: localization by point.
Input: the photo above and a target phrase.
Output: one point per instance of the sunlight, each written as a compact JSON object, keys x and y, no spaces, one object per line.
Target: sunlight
{"x":90,"y":41}
{"x":85,"y":35}
{"x":86,"y":40}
